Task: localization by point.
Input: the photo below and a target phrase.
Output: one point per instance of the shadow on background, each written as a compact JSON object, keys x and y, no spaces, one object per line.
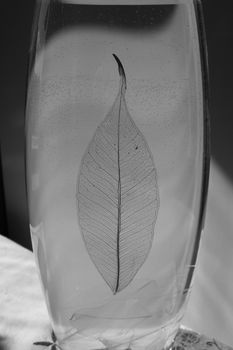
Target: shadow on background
{"x":219,"y":32}
{"x":16,"y":28}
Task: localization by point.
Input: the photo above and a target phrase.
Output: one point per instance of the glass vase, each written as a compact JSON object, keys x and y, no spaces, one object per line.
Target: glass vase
{"x":117,"y":162}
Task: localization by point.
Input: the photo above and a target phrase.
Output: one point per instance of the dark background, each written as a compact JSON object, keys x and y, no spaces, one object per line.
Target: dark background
{"x":16,"y":20}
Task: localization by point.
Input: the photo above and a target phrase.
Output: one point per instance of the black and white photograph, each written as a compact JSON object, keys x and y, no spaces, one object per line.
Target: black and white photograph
{"x":116,"y":175}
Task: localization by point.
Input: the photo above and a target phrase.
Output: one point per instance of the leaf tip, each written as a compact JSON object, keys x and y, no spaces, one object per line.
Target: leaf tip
{"x":120,"y":68}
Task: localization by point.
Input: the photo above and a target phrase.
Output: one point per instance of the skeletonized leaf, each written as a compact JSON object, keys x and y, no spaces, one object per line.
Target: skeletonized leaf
{"x":117,"y":195}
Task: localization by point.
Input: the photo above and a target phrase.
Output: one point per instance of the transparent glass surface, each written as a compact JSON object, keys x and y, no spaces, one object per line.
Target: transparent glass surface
{"x":117,"y":167}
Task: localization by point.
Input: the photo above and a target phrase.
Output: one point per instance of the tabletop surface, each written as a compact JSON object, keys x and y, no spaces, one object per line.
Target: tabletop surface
{"x":24,"y":319}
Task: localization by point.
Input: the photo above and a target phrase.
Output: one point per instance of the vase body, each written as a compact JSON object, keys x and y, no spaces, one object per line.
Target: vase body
{"x":117,"y":167}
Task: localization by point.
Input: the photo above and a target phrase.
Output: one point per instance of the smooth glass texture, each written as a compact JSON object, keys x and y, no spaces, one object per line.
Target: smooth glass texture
{"x":117,"y":167}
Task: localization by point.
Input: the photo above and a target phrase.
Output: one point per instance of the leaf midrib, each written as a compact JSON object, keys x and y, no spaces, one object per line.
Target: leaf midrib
{"x":118,"y":197}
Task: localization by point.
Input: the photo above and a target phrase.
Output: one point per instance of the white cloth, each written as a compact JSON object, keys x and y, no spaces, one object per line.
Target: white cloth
{"x":23,"y":314}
